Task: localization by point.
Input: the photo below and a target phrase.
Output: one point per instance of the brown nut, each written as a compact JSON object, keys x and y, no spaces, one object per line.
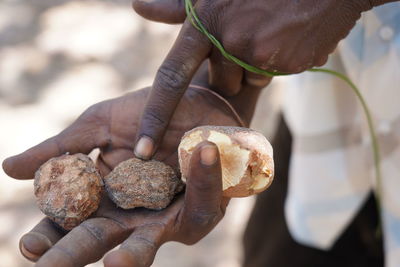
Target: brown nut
{"x":68,"y":189}
{"x":246,"y":158}
{"x":137,"y":183}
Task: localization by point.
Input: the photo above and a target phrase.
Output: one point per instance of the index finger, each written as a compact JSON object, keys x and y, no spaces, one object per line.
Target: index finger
{"x":172,"y":79}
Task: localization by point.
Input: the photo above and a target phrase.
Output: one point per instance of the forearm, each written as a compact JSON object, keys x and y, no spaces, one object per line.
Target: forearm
{"x":375,"y":3}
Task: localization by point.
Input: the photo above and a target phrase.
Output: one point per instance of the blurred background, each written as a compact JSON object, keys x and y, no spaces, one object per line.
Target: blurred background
{"x":59,"y":57}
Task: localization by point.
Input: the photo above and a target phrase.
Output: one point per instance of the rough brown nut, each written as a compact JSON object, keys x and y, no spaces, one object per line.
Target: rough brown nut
{"x":68,"y":189}
{"x":137,"y":183}
{"x":246,"y":158}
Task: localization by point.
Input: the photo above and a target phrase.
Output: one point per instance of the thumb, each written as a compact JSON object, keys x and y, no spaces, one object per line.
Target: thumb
{"x":166,"y":11}
{"x":82,"y":136}
{"x":203,"y":197}
{"x":204,"y":183}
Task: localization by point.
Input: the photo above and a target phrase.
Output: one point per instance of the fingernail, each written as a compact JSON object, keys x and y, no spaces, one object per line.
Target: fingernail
{"x":34,"y":245}
{"x":208,"y":155}
{"x":144,"y":148}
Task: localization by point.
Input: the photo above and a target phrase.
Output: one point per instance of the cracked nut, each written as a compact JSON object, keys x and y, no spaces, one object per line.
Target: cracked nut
{"x":246,"y":157}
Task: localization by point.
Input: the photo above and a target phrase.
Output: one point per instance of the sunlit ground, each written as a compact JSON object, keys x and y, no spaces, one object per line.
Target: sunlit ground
{"x":56,"y":59}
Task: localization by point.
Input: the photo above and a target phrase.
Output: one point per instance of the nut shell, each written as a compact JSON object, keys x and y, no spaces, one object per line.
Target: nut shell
{"x":137,"y":183}
{"x":68,"y":189}
{"x":246,"y":157}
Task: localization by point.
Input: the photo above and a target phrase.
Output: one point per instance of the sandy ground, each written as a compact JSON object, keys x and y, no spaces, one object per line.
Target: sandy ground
{"x":57,"y":58}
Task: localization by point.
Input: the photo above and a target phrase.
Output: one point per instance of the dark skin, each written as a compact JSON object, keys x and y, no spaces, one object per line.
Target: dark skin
{"x":111,"y":126}
{"x":275,"y":35}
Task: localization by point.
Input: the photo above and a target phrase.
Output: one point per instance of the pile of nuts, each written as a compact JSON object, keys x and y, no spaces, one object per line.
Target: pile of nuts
{"x":69,"y":188}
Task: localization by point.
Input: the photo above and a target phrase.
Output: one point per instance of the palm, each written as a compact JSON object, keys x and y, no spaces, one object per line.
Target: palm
{"x":111,"y":126}
{"x":121,"y":116}
{"x":117,"y":115}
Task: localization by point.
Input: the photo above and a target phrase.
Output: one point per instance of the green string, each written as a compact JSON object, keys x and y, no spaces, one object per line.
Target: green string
{"x":191,"y":14}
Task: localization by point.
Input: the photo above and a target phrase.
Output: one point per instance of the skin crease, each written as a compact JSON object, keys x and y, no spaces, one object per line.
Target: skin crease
{"x":108,"y":125}
{"x":282,"y":35}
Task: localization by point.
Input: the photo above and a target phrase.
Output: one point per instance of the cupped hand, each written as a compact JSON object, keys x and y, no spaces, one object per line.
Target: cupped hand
{"x":111,"y":126}
{"x":275,"y":35}
{"x":139,"y":231}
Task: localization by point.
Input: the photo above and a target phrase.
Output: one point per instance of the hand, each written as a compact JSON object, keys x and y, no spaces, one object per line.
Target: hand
{"x":111,"y":126}
{"x":275,"y":35}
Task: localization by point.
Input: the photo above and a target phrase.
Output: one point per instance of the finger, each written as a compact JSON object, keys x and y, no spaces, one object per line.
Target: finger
{"x":203,"y":195}
{"x":321,"y":60}
{"x":167,"y":11}
{"x":85,"y":244}
{"x":256,"y":80}
{"x":204,"y":184}
{"x":172,"y":79}
{"x":81,"y":137}
{"x":103,"y":168}
{"x":245,"y":101}
{"x":40,"y":239}
{"x":116,"y":156}
{"x":139,"y":250}
{"x":225,"y":75}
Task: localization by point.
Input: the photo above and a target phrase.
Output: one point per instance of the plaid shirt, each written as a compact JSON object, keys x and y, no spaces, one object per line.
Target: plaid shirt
{"x":332,"y":169}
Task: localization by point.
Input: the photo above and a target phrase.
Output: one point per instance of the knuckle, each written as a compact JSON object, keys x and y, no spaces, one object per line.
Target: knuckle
{"x":235,"y":42}
{"x":258,"y":80}
{"x":144,"y":241}
{"x":298,"y":66}
{"x":91,"y":111}
{"x":90,"y":227}
{"x":59,"y":144}
{"x":204,"y":220}
{"x":296,"y":62}
{"x":199,"y":223}
{"x":209,"y":11}
{"x":191,"y":239}
{"x":263,"y":57}
{"x":94,"y":114}
{"x":155,"y":115}
{"x":199,"y":185}
{"x":293,"y":68}
{"x":171,"y":79}
{"x":321,"y":61}
{"x":291,"y":65}
{"x":148,"y":236}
